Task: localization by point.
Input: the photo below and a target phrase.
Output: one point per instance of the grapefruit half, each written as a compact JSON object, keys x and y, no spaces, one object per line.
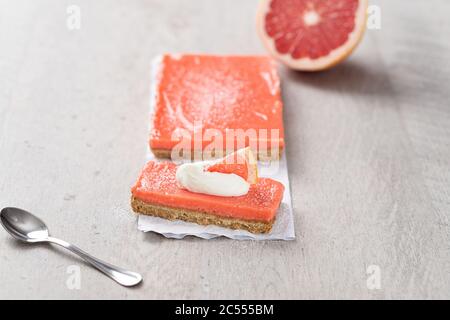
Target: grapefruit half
{"x":311,"y":35}
{"x":242,"y":163}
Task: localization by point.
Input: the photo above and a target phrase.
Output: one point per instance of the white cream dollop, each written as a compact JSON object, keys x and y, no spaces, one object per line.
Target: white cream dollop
{"x":195,"y":178}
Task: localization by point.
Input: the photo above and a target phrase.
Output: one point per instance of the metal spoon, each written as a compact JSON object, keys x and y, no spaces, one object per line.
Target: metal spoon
{"x":26,"y":227}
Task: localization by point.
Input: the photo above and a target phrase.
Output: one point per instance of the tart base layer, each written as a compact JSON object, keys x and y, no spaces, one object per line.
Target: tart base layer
{"x":198,"y":217}
{"x":271,"y":155}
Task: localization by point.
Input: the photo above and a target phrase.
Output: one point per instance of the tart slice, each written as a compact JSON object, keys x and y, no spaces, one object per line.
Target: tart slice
{"x":158,"y":193}
{"x":216,"y":104}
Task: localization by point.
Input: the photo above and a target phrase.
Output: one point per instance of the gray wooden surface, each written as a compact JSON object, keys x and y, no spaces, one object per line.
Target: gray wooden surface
{"x":368,"y":149}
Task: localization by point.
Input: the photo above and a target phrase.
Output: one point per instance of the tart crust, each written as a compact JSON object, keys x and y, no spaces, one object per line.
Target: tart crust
{"x":269,"y":155}
{"x":199,"y":217}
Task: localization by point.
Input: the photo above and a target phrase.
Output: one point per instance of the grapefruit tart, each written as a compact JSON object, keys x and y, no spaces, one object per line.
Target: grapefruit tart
{"x":216,"y":103}
{"x":221,"y":192}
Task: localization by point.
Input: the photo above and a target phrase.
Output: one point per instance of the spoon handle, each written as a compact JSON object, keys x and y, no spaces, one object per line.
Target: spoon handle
{"x":121,"y":276}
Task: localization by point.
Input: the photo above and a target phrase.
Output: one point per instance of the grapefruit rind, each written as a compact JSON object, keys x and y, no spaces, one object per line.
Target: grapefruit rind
{"x":252,"y":166}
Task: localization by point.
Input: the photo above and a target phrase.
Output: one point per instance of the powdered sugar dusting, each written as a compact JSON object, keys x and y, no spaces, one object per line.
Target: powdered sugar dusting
{"x":177,"y":113}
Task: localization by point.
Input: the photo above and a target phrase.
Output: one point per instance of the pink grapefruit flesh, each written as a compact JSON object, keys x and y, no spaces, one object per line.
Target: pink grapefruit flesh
{"x":311,"y":35}
{"x":242,"y":162}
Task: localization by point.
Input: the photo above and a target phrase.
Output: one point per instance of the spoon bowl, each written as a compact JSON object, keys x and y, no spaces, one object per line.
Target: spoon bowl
{"x":24,"y":226}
